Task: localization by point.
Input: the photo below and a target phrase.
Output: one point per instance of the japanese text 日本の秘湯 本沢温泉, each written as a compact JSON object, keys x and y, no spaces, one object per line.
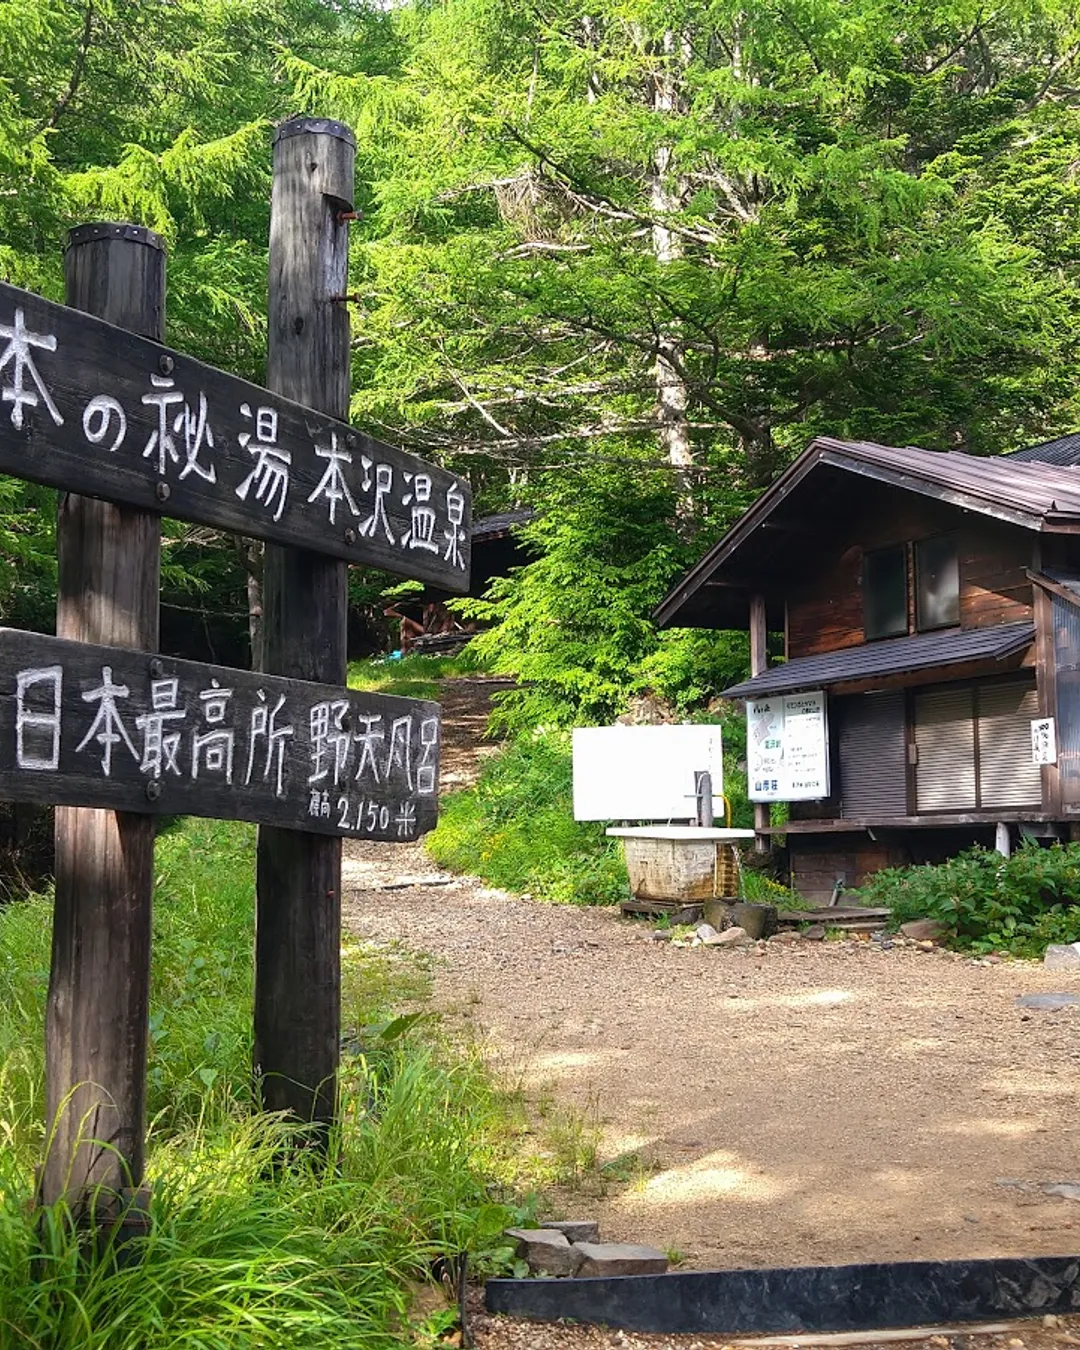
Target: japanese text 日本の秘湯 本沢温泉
{"x":94,"y":409}
{"x":82,"y":725}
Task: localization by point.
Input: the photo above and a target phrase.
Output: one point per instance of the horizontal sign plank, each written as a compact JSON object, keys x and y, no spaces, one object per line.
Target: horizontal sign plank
{"x":82,"y":725}
{"x":89,"y":408}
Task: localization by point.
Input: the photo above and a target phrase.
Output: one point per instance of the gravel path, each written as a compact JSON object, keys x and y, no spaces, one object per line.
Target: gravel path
{"x":814,"y":1103}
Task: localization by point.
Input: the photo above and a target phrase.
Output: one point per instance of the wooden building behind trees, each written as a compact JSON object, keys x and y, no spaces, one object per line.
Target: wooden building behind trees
{"x":934,"y":598}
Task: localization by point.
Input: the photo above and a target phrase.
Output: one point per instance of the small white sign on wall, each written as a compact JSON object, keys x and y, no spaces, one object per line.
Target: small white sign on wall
{"x":1043,"y":741}
{"x":787,"y":748}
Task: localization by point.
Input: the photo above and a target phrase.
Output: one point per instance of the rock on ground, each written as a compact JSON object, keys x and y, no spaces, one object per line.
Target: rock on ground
{"x":924,"y":930}
{"x":546,"y":1251}
{"x":1062,"y":956}
{"x":575,"y":1230}
{"x":619,"y":1258}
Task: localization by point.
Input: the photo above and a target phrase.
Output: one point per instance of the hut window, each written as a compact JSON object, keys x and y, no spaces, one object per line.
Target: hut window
{"x":885,"y":592}
{"x":972,"y":746}
{"x":937,"y":583}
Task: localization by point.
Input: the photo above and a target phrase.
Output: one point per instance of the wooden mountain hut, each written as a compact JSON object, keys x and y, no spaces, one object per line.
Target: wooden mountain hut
{"x":929,"y":692}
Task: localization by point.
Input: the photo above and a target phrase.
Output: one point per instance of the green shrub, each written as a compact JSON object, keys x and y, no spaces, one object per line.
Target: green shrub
{"x":987,"y":902}
{"x":245,"y":1252}
{"x":413,"y":676}
{"x":515,"y":828}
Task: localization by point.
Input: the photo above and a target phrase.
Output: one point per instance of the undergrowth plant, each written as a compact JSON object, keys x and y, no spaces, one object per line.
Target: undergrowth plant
{"x":515,"y":828}
{"x":987,"y":902}
{"x":412,"y":676}
{"x":247,"y":1252}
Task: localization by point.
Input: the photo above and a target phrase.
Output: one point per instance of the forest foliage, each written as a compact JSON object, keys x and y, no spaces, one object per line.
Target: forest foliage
{"x":617,"y":260}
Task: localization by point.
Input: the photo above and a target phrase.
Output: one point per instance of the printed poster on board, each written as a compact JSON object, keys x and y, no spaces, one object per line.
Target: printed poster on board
{"x":787,"y":748}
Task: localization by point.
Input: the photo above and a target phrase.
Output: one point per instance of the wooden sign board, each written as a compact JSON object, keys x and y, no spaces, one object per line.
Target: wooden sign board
{"x":89,"y":408}
{"x":82,"y":725}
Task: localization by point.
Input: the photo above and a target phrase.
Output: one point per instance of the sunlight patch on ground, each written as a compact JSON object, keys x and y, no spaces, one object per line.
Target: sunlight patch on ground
{"x":718,"y":1175}
{"x":1017,"y":1082}
{"x":355,"y":870}
{"x":562,"y":1061}
{"x":617,"y":1145}
{"x":819,"y":998}
{"x":897,"y":1179}
{"x":1010,"y":1129}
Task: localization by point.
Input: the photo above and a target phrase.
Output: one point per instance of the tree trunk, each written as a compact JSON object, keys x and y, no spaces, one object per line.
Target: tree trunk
{"x":672,"y":391}
{"x":759,"y":452}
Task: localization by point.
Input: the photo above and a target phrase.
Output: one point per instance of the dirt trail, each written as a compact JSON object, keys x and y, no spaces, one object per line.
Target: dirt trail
{"x":820,"y":1103}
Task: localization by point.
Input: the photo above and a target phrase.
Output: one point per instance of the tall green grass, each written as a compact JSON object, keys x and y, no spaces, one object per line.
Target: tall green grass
{"x":516,"y":828}
{"x":413,"y":676}
{"x":245,"y":1251}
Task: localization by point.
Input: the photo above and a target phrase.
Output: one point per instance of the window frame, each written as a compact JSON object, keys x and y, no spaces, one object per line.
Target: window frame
{"x":916,"y":545}
{"x":868,"y":554}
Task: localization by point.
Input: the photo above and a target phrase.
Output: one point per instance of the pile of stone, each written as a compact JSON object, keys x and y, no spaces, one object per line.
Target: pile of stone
{"x":924,"y":934}
{"x":573,"y":1247}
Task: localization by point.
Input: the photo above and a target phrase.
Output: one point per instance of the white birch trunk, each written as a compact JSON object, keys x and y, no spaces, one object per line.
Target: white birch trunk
{"x":672,"y":391}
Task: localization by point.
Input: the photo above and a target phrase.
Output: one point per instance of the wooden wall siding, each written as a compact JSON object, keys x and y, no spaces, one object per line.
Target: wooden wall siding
{"x":814,"y":870}
{"x":994,"y":587}
{"x":826,"y":613}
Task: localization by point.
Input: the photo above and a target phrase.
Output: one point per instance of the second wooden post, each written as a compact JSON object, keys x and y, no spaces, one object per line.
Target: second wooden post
{"x":298,"y":926}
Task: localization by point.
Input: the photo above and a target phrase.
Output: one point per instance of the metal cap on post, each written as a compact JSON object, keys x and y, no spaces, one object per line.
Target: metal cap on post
{"x":107,"y":277}
{"x":298,"y":925}
{"x":97,"y":1012}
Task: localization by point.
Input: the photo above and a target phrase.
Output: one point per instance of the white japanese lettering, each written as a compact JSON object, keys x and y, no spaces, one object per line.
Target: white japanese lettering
{"x":36,"y":723}
{"x":97,"y":418}
{"x":17,"y":354}
{"x":107,"y":727}
{"x":332,"y":485}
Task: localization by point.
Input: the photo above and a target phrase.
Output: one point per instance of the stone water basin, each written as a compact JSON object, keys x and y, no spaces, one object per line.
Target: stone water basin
{"x":686,"y":863}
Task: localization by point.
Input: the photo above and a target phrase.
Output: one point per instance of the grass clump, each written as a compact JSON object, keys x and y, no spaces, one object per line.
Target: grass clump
{"x":515,"y":828}
{"x":412,"y":676}
{"x":246,"y":1250}
{"x":986,"y":902}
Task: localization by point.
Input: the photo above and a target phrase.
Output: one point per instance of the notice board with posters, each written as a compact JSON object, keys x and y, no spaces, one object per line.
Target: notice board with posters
{"x":787,"y":748}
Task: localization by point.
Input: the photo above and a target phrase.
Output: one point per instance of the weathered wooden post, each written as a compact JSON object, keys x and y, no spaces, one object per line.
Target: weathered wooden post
{"x":298,"y":925}
{"x":109,"y":568}
{"x":759,"y":661}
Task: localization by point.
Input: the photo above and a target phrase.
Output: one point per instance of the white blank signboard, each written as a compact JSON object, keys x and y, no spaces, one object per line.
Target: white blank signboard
{"x":643,"y":773}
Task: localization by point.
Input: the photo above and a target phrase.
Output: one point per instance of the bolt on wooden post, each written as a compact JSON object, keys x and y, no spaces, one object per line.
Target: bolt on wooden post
{"x":97,"y":1013}
{"x":297,"y":947}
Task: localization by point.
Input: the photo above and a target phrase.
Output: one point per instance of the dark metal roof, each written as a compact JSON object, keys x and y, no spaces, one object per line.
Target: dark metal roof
{"x":1066,"y":579}
{"x":1027,"y":493}
{"x":1064,"y":451}
{"x":892,"y":656}
{"x":494,"y":527}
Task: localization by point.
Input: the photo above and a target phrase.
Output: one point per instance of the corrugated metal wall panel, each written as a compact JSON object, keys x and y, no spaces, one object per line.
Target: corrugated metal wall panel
{"x":1007,"y":777}
{"x":945,"y":737}
{"x":873,"y":755}
{"x":1067,"y":675}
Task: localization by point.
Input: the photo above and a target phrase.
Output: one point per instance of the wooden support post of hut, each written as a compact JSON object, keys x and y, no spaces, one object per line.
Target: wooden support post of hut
{"x":759,"y":660}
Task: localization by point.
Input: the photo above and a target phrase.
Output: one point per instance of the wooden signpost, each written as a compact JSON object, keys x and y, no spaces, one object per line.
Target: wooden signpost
{"x":82,"y":725}
{"x":97,"y":723}
{"x":90,"y":408}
